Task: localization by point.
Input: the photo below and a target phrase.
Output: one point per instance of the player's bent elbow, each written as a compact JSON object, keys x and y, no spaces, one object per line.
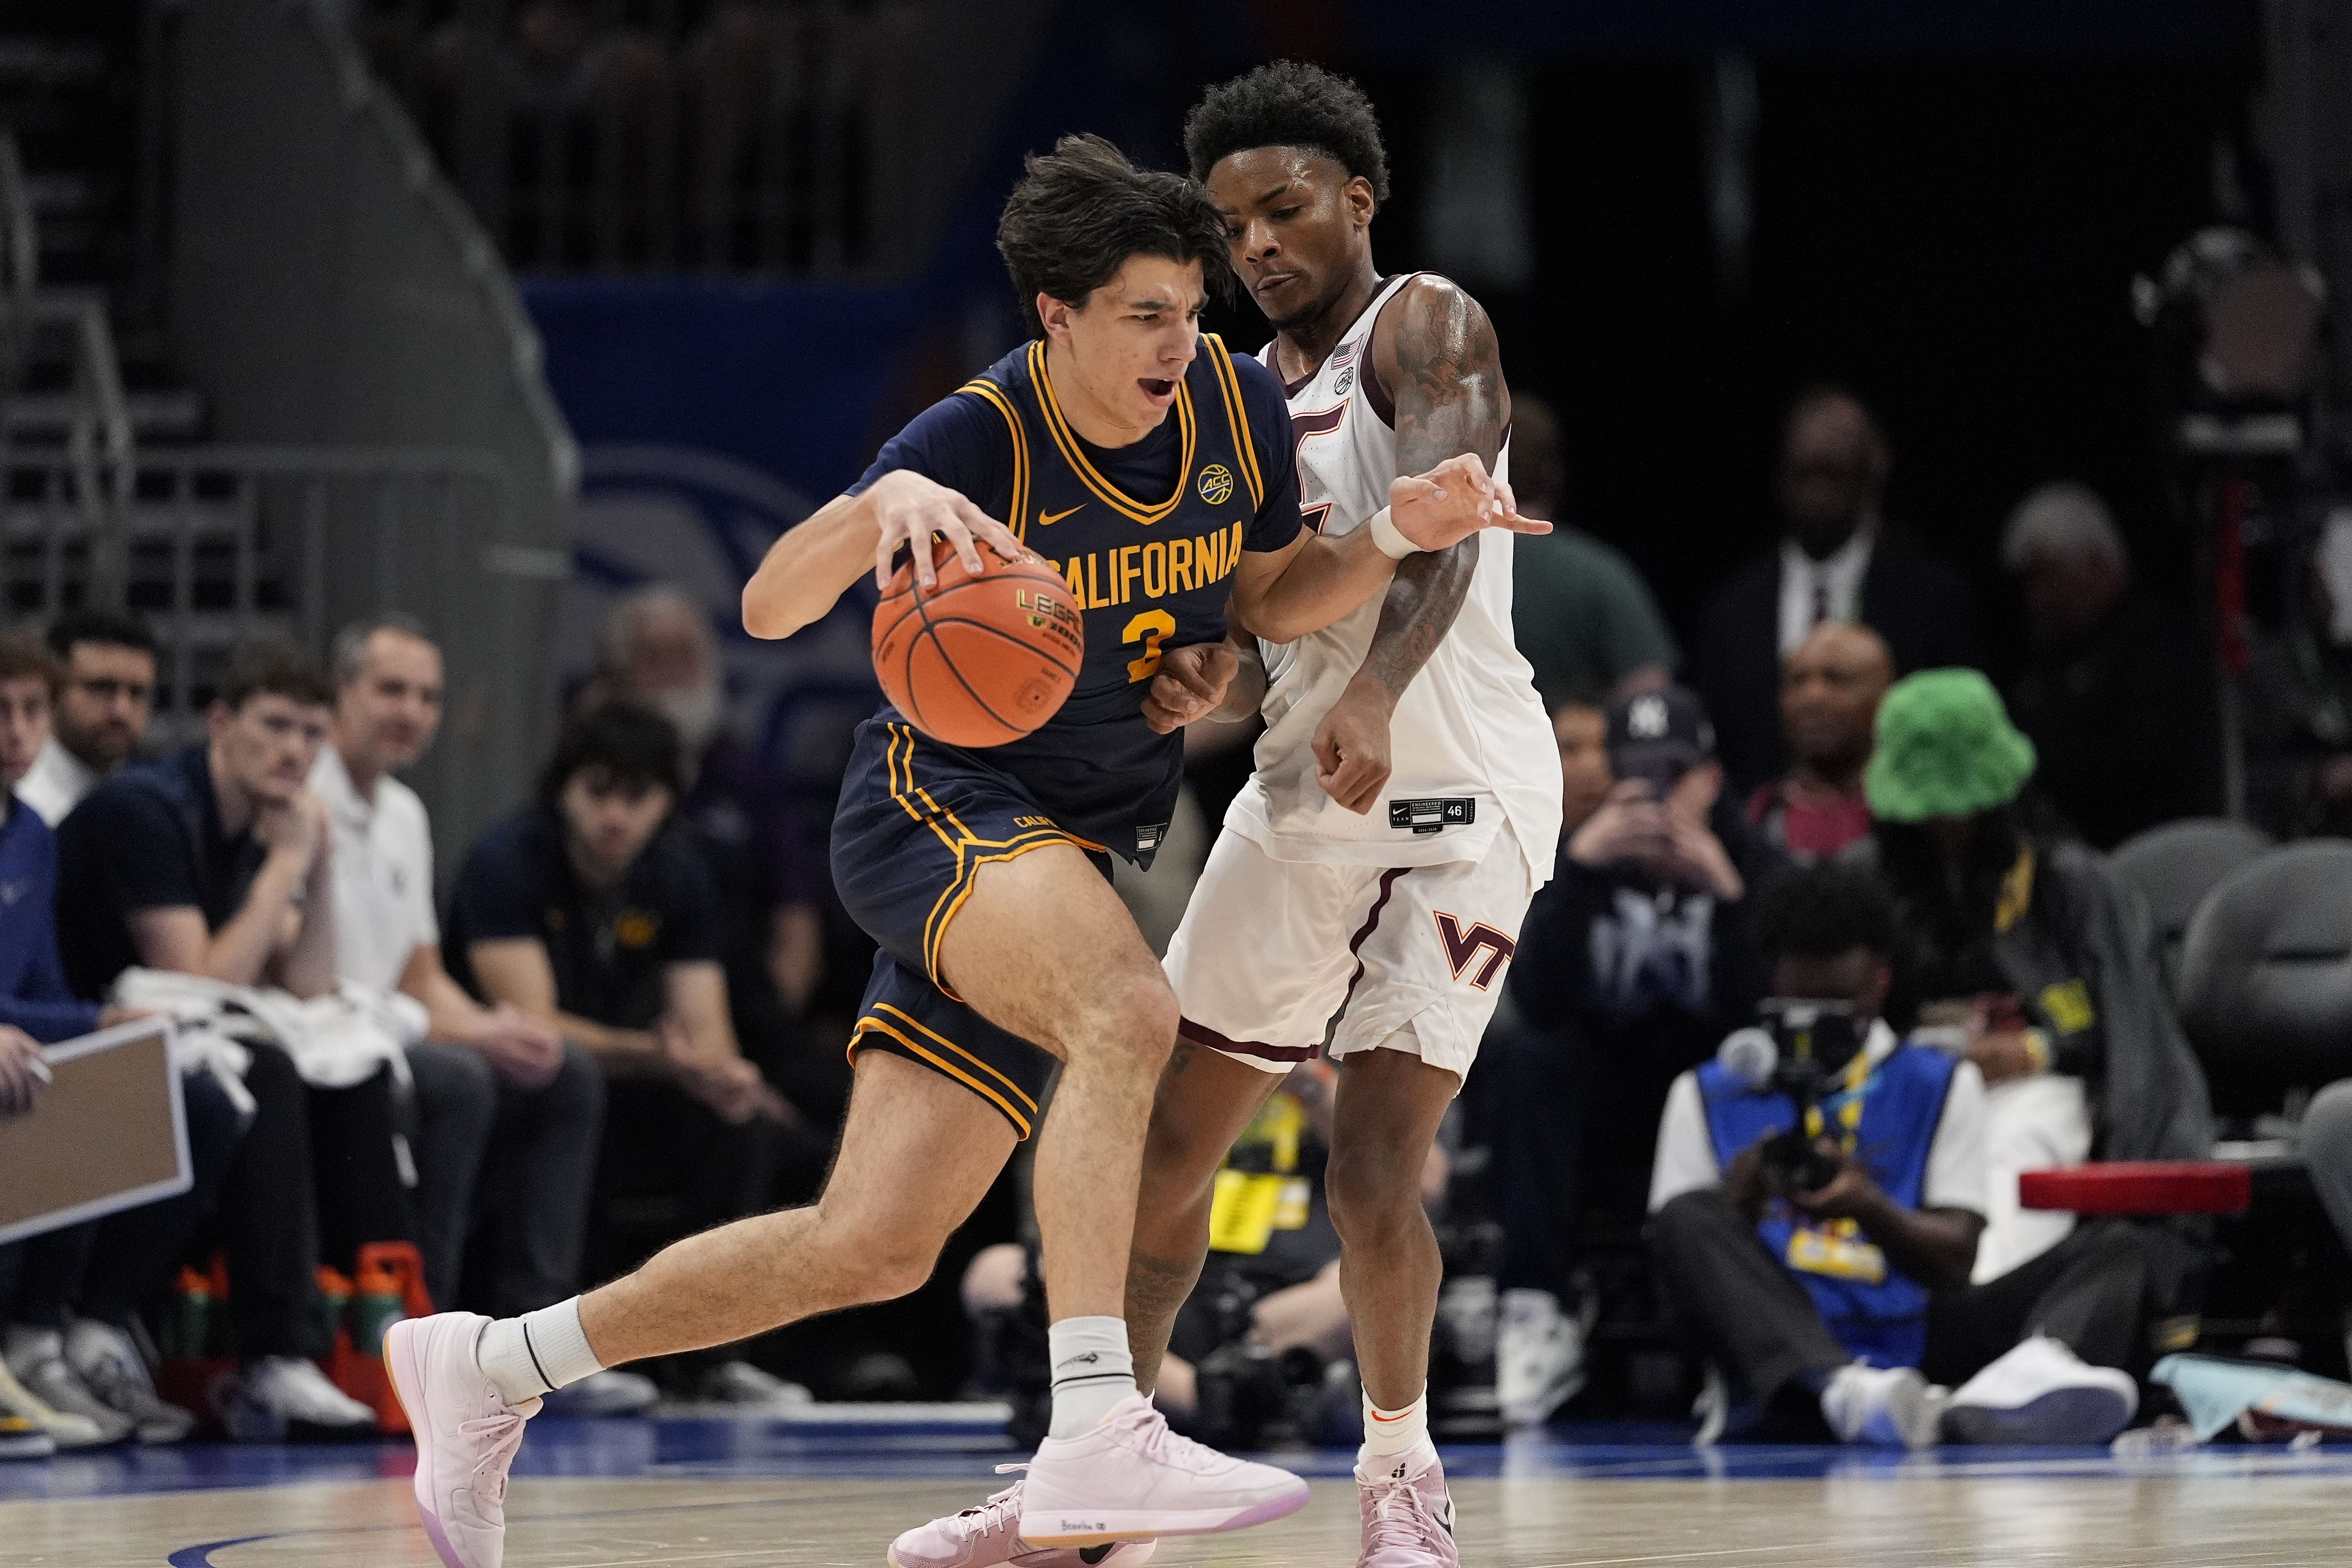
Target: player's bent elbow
{"x":1260,"y":617}
{"x":766,"y":617}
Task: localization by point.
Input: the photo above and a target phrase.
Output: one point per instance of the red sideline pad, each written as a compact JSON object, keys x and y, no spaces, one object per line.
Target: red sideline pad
{"x":2142,"y":1187}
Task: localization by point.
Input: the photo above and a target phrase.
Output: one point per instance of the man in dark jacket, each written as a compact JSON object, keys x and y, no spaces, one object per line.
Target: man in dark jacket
{"x":1837,"y":559}
{"x":2022,"y":949}
{"x":2117,"y":691}
{"x":1634,"y":963}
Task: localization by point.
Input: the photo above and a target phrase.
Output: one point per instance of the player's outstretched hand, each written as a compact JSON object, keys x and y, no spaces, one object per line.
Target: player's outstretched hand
{"x":1190,"y":685}
{"x":911,"y":508}
{"x":1453,"y":501}
{"x":1351,"y":747}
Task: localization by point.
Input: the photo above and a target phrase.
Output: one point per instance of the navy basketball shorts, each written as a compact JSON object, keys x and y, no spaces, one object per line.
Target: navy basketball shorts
{"x":916,"y":822}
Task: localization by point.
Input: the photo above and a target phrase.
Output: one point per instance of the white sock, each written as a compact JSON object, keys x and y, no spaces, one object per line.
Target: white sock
{"x":1092,"y":1370}
{"x":537,"y":1352}
{"x":1395,"y":1441}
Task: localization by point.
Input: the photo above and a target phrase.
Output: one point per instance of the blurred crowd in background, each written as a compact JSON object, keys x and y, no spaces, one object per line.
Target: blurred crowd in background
{"x":623,"y":1020}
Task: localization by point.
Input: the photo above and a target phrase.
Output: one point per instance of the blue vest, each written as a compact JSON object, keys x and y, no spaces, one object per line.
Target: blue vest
{"x":1885,"y":1322}
{"x":1148,"y":572}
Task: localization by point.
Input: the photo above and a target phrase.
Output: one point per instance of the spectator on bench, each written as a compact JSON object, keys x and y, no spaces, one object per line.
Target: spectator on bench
{"x":41,"y":1279}
{"x":1829,"y":691}
{"x":2117,"y":691}
{"x":103,"y":707}
{"x":215,"y":861}
{"x":657,"y":648}
{"x":2023,"y":950}
{"x":507,"y":1113}
{"x":1633,"y":963}
{"x":587,"y":910}
{"x":1581,"y":729}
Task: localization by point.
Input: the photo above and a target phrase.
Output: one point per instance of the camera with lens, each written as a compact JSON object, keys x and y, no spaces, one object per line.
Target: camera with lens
{"x":1797,"y":1049}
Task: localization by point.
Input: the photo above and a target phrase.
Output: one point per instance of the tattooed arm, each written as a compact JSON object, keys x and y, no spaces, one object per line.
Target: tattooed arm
{"x":1434,"y":349}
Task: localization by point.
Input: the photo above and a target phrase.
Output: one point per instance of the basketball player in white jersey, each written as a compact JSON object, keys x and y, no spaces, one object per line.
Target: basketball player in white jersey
{"x":1372,"y":875}
{"x":1368,"y":886}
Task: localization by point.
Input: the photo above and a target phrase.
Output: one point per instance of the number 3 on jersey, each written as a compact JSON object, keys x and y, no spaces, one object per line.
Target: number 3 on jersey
{"x":1149,"y":628}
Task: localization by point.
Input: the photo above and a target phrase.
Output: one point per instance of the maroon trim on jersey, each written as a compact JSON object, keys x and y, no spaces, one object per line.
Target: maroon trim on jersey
{"x":1292,"y":389}
{"x":1376,"y":393}
{"x":1203,"y":1035}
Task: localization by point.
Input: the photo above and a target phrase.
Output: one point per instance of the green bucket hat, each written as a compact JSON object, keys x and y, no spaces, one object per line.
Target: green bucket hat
{"x":1946,"y":749}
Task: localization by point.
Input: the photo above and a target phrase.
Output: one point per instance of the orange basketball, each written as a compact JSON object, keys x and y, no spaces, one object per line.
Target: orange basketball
{"x":982,"y":659}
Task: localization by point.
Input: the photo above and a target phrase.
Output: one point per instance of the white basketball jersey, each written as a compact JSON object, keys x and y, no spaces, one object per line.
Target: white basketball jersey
{"x":1471,"y":750}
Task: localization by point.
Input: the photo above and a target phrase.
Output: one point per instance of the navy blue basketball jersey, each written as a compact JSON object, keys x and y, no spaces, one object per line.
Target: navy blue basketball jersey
{"x":1148,"y":537}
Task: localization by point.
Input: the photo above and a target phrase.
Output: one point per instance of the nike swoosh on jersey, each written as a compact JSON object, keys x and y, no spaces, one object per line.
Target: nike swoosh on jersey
{"x":1045,"y":522}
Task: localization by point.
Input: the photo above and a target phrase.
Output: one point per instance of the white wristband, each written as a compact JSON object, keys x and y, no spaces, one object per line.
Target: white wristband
{"x":1391,"y":537}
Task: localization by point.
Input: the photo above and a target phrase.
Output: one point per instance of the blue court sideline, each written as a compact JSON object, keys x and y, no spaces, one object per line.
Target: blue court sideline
{"x":737,"y":1450}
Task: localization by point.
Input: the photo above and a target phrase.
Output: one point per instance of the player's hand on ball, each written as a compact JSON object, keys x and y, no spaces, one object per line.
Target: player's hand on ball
{"x":1190,"y":685}
{"x":912,"y":508}
{"x":1453,"y":501}
{"x":1351,"y":747}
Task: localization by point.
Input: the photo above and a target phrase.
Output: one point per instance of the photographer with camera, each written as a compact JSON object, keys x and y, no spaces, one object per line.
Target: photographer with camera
{"x":1821,"y":1182}
{"x":1633,"y":963}
{"x":1816,"y":1180}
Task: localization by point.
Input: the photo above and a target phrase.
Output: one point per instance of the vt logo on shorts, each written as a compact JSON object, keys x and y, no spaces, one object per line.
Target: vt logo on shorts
{"x":1462,"y":948}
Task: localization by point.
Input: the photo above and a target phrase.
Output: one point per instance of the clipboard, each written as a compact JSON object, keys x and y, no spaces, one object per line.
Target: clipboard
{"x":111,"y":1134}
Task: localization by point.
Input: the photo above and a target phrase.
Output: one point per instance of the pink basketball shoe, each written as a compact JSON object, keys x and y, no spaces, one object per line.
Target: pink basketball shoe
{"x":466,"y":1435}
{"x":1408,"y":1519}
{"x":990,"y":1534}
{"x":1130,"y":1477}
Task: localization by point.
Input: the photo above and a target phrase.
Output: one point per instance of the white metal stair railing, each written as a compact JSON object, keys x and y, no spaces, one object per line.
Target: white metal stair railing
{"x":221,"y":544}
{"x":88,"y":474}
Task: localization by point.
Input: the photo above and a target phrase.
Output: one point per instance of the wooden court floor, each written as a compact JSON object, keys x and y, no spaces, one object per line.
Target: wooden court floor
{"x":2207,"y":1516}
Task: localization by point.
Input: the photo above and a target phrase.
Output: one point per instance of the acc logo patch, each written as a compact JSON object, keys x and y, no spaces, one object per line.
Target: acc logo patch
{"x":1216,"y":483}
{"x":636,"y":928}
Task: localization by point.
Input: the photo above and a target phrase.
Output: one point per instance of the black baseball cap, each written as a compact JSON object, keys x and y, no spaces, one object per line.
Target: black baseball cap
{"x":1659,"y":735}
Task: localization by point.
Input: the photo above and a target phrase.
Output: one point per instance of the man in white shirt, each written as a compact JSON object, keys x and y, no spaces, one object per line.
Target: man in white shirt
{"x":508,"y":1112}
{"x":101,"y":710}
{"x":1804,"y":1264}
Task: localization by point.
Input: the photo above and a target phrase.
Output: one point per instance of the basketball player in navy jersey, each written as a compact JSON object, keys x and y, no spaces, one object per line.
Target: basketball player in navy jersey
{"x":1155,"y":471}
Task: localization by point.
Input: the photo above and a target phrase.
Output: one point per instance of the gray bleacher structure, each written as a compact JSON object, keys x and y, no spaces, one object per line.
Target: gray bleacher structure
{"x":261,"y":371}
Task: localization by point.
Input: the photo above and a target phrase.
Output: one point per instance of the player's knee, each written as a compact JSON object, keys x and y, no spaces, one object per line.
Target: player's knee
{"x":873,"y":1256}
{"x":885,"y":1271}
{"x":1182,"y":1153}
{"x":1373,"y":1193}
{"x":1130,"y":1020}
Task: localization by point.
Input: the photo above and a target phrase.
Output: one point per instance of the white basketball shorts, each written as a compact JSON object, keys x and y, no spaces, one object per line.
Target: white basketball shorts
{"x":1412,"y":958}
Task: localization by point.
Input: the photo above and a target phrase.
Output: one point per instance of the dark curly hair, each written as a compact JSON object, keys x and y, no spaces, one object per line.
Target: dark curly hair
{"x":1289,"y":104}
{"x":1083,"y":209}
{"x":1825,"y":910}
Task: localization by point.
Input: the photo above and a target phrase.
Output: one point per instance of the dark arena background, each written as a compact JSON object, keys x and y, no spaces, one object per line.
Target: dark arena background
{"x":400,"y":395}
